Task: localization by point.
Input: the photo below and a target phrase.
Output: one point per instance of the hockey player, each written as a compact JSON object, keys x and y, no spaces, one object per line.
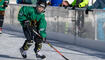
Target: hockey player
{"x":3,"y":5}
{"x":33,"y":18}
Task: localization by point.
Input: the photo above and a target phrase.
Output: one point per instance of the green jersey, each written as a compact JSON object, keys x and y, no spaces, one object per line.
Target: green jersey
{"x":30,"y":13}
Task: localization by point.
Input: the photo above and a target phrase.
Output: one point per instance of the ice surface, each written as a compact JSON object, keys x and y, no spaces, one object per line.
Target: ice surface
{"x":10,"y":42}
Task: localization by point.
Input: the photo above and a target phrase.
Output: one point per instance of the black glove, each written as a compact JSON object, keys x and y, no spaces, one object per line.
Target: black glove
{"x":5,"y":4}
{"x":70,"y":5}
{"x":87,"y":10}
{"x":26,"y":23}
{"x":73,"y":7}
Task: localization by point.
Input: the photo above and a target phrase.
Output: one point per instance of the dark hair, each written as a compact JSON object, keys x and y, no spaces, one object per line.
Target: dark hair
{"x":67,"y":2}
{"x":41,"y":0}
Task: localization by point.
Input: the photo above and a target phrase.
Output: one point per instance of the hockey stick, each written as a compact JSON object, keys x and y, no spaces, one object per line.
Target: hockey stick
{"x":51,"y":46}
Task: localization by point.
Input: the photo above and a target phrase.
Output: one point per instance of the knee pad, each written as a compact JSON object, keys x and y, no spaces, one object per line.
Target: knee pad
{"x":27,"y":44}
{"x":30,"y":42}
{"x":37,"y":47}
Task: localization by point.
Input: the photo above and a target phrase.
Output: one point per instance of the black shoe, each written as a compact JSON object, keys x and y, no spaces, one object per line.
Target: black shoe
{"x":40,"y":56}
{"x":23,"y":53}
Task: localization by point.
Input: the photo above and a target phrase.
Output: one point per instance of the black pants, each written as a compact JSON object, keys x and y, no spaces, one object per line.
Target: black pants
{"x":30,"y":38}
{"x":1,"y":20}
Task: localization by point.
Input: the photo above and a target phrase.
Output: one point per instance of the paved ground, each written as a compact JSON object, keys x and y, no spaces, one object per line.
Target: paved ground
{"x":10,"y":42}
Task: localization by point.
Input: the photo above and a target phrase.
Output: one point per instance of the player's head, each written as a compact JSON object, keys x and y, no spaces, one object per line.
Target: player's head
{"x":41,"y":7}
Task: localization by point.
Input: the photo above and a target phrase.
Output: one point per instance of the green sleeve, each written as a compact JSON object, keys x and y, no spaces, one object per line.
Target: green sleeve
{"x":84,"y":3}
{"x":22,"y":14}
{"x":26,"y":13}
{"x":42,"y":27}
{"x":73,"y":3}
